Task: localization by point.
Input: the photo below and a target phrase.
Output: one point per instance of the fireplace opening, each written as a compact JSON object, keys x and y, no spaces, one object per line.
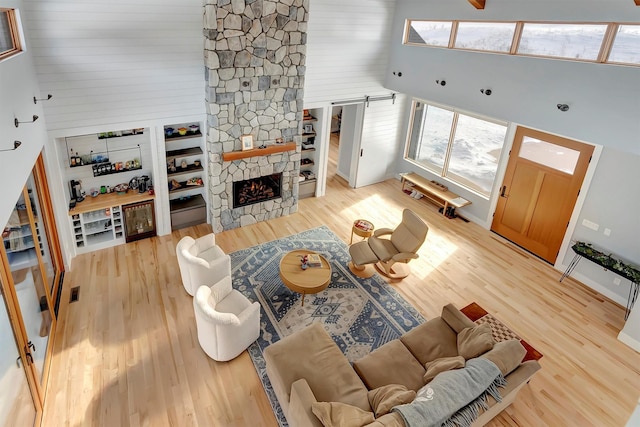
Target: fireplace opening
{"x":256,"y":190}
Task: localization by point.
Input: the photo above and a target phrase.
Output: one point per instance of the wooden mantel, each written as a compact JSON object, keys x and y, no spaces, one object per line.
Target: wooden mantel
{"x":270,"y":149}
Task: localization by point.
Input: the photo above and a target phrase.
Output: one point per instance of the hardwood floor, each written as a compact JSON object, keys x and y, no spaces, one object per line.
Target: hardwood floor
{"x":127,"y":354}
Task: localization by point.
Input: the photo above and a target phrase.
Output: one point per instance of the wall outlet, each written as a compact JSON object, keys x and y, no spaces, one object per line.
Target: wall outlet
{"x":616,"y":281}
{"x":607,"y":232}
{"x":591,"y":225}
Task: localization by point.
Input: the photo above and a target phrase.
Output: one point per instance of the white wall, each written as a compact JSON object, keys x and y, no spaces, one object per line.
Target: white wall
{"x":347,"y":49}
{"x":604,"y":99}
{"x":613,"y":202}
{"x":117,"y":61}
{"x":18,"y":85}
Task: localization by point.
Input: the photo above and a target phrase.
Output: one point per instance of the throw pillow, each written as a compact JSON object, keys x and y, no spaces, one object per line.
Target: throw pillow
{"x":440,"y":365}
{"x":472,"y":342}
{"x":507,"y":355}
{"x":382,"y":399}
{"x":338,"y":414}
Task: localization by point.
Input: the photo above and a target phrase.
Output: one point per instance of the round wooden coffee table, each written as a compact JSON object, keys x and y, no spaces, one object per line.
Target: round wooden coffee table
{"x":309,"y":281}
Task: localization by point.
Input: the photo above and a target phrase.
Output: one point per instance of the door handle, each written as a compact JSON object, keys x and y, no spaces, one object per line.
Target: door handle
{"x":504,"y":188}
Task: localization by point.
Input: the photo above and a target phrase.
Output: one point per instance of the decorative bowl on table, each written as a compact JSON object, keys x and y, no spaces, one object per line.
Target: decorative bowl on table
{"x":182,"y":131}
{"x":194,"y":128}
{"x":168,"y":131}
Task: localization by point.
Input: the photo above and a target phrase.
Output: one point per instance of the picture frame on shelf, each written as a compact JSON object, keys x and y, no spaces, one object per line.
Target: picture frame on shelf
{"x":247,"y":142}
{"x":308,"y":128}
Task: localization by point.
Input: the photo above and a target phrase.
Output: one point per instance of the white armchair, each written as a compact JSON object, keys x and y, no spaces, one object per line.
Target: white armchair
{"x":226,"y":320}
{"x":201,"y":262}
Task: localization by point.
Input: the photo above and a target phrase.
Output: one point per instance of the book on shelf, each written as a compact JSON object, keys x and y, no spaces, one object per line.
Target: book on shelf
{"x":314,"y":260}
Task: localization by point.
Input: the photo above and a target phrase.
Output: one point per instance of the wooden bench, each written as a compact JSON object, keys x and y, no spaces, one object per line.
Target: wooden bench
{"x":443,"y":198}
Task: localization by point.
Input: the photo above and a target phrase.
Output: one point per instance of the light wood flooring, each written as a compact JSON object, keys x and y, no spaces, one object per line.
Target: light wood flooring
{"x":126,"y":354}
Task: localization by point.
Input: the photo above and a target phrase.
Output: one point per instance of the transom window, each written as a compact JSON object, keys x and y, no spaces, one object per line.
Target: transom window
{"x":625,"y":49}
{"x":460,"y":147}
{"x":491,"y":36}
{"x":9,"y":36}
{"x":612,"y":43}
{"x":573,"y":41}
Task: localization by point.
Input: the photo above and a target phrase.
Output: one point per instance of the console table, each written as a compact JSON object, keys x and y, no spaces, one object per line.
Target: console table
{"x":609,"y":262}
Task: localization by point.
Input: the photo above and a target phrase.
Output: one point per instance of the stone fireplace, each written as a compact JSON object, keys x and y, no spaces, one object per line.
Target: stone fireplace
{"x":255,"y":53}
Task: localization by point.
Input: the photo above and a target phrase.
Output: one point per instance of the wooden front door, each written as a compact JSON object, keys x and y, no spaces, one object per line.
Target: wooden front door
{"x":539,"y":191}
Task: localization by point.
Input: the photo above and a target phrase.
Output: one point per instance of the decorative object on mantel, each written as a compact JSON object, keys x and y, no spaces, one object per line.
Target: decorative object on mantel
{"x":609,"y":262}
{"x":279,"y":141}
{"x":247,"y":142}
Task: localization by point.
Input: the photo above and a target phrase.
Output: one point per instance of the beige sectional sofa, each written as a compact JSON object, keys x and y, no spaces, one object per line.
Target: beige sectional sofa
{"x":308,"y":367}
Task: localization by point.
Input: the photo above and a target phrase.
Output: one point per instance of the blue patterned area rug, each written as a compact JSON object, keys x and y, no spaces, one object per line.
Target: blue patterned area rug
{"x":359,"y":314}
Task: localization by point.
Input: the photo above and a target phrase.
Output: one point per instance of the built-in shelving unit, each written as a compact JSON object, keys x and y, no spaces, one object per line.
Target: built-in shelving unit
{"x":308,"y":169}
{"x":186,"y":174}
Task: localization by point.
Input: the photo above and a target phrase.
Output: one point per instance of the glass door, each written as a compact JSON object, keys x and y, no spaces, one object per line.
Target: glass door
{"x":30,"y":266}
{"x":47,"y":232}
{"x":17,"y":407}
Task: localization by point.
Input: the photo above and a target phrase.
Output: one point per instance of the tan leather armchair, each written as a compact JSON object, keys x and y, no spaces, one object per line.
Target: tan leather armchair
{"x":390,"y":254}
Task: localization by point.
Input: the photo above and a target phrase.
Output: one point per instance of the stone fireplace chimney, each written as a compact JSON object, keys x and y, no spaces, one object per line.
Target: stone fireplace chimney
{"x":255,"y":53}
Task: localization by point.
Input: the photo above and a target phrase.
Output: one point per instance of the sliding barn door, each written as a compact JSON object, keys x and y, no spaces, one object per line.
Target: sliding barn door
{"x":380,"y":141}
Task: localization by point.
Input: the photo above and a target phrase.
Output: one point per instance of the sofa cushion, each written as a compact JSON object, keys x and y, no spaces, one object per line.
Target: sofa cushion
{"x":311,"y":354}
{"x":507,"y":355}
{"x":431,"y":340}
{"x":440,"y":365}
{"x":382,"y":399}
{"x":338,"y":414}
{"x":456,"y":319}
{"x":390,"y":364}
{"x":472,"y":342}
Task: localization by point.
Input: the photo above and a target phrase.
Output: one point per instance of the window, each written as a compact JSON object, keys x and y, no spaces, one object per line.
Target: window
{"x":625,"y":46}
{"x":611,"y":43}
{"x":9,"y":37}
{"x":491,"y":36}
{"x":548,"y":154}
{"x":572,"y":41}
{"x":432,"y":33}
{"x":460,"y":147}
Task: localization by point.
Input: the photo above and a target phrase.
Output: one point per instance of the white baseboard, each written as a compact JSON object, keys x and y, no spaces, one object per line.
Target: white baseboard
{"x":595,"y":286}
{"x":631,"y":342}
